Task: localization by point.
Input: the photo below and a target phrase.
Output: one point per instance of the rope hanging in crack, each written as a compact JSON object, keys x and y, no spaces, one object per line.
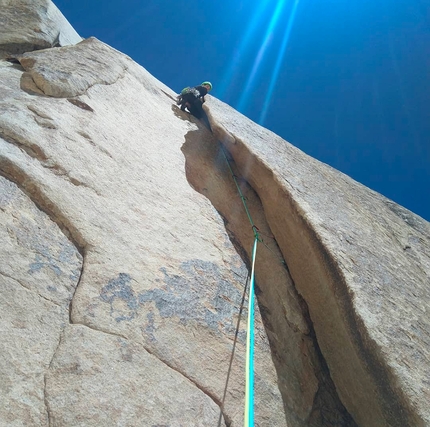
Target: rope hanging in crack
{"x":236,"y":333}
{"x":249,"y":370}
{"x":249,"y":387}
{"x":257,"y":232}
{"x":254,"y":228}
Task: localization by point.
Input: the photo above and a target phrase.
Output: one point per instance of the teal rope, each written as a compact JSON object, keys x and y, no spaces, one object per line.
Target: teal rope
{"x":236,"y":334}
{"x":249,"y":387}
{"x":249,"y":381}
{"x":254,"y":228}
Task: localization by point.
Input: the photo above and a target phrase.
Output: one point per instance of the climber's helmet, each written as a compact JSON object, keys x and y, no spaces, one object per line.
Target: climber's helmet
{"x":208,"y":85}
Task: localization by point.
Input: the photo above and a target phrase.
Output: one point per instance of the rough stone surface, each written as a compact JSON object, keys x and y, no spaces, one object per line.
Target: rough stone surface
{"x":144,"y":192}
{"x":91,"y":366}
{"x":160,"y":271}
{"x":77,"y":68}
{"x":27,"y":25}
{"x":39,"y":271}
{"x":303,"y":378}
{"x":362,"y":265}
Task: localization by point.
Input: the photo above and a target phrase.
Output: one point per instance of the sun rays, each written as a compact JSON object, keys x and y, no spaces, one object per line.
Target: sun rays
{"x":244,"y":45}
{"x":273,"y":45}
{"x":268,"y":37}
{"x":277,"y":69}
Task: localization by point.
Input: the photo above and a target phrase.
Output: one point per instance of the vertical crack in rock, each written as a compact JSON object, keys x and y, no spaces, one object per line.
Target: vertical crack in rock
{"x":29,"y":187}
{"x":76,"y":288}
{"x":31,"y":233}
{"x":323,"y":414}
{"x":310,"y":397}
{"x":366,"y":385}
{"x":45,"y":388}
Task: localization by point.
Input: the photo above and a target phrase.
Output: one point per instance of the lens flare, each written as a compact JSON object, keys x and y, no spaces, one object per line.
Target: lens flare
{"x":278,"y":64}
{"x":246,"y":92}
{"x":240,"y":50}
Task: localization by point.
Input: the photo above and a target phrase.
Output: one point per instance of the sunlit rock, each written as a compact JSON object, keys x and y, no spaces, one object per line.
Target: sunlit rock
{"x":144,"y":192}
{"x":159,"y":270}
{"x":70,"y":71}
{"x":27,"y":25}
{"x":361,"y":263}
{"x":39,"y":272}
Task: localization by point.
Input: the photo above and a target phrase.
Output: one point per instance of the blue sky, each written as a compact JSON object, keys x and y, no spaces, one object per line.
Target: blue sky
{"x":346,"y":81}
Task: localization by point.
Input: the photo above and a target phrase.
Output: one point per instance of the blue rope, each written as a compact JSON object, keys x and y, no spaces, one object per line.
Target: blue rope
{"x":249,"y":374}
{"x":249,"y":387}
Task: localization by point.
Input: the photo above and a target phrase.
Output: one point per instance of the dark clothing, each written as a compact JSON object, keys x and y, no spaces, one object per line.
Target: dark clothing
{"x":192,"y":95}
{"x":193,"y":100}
{"x":202,"y":92}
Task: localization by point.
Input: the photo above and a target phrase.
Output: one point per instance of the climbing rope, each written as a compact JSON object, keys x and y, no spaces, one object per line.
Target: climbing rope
{"x":249,"y":369}
{"x":249,"y":386}
{"x":254,"y":228}
{"x":249,"y":381}
{"x":257,"y":232}
{"x":236,"y":334}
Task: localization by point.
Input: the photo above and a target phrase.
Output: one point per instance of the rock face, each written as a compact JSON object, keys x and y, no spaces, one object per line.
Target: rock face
{"x":29,"y":25}
{"x":39,"y":271}
{"x":127,"y":249}
{"x":151,"y":326}
{"x":362,"y":265}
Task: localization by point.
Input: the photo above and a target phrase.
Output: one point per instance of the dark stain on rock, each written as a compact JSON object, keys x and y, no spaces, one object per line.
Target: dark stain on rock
{"x":38,"y":264}
{"x":201,"y":294}
{"x":117,"y":290}
{"x":150,"y":327}
{"x":126,"y":351}
{"x":80,"y":104}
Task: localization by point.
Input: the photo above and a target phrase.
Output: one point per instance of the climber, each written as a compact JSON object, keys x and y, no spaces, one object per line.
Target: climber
{"x":193,"y":98}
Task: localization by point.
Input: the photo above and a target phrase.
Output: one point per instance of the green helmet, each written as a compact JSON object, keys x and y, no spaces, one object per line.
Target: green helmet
{"x":207,"y":84}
